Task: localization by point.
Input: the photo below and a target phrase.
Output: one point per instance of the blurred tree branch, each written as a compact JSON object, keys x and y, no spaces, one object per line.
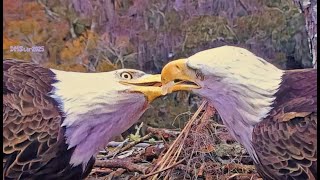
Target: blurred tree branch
{"x":50,"y":13}
{"x":309,"y":9}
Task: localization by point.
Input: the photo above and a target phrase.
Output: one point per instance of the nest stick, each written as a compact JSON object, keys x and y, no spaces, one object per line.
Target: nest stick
{"x":177,"y":145}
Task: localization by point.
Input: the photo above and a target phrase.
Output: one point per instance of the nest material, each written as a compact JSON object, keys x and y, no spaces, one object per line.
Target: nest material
{"x":202,"y":150}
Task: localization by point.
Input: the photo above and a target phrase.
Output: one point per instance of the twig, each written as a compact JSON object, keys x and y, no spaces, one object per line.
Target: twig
{"x":125,"y":154}
{"x":52,"y":14}
{"x":72,"y":31}
{"x":154,"y":151}
{"x":116,"y":173}
{"x":242,"y":176}
{"x":178,"y":143}
{"x":164,"y":169}
{"x":201,"y":169}
{"x":115,"y":144}
{"x":133,"y":143}
{"x":101,"y":170}
{"x":118,"y":149}
{"x":243,"y":5}
{"x":130,"y":145}
{"x":233,"y":166}
{"x":138,"y":128}
{"x":210,"y":111}
{"x":163,"y":132}
{"x":128,"y":164}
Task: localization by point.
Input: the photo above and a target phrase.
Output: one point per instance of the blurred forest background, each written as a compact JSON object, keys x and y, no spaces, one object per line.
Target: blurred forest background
{"x":104,"y":35}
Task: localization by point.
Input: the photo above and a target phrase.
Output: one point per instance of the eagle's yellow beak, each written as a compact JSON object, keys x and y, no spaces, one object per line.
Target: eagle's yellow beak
{"x":149,"y":85}
{"x":177,"y":76}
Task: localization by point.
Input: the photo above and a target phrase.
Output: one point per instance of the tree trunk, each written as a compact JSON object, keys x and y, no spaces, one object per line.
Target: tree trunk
{"x":309,"y":9}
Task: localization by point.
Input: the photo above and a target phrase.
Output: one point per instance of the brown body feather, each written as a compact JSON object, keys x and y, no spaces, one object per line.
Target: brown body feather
{"x":33,"y":140}
{"x":286,"y":141}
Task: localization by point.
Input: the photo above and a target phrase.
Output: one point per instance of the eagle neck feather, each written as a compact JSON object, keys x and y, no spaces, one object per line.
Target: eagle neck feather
{"x":94,"y":111}
{"x":242,"y":101}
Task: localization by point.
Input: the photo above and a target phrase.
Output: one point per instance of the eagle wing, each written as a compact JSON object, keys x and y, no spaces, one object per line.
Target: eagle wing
{"x":31,"y":119}
{"x":286,"y":141}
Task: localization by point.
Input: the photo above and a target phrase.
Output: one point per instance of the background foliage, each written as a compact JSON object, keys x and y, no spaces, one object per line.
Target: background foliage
{"x":95,"y":36}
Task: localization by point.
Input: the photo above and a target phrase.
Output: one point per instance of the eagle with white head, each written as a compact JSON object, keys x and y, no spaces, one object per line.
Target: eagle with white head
{"x":271,"y":112}
{"x":55,"y":122}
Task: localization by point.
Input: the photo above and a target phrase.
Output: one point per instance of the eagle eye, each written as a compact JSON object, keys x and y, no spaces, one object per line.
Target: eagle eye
{"x":126,"y":75}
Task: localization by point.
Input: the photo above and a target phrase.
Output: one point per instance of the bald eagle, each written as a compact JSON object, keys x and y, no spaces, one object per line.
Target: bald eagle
{"x":271,"y":112}
{"x":55,"y":122}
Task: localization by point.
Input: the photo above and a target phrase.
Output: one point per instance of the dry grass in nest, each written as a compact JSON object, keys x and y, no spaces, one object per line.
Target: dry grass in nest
{"x":197,"y":152}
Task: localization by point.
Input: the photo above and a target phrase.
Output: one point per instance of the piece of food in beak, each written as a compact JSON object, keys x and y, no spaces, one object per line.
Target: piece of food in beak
{"x":167,"y":88}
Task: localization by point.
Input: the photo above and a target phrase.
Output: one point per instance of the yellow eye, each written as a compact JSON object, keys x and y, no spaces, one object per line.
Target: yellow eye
{"x":126,"y":75}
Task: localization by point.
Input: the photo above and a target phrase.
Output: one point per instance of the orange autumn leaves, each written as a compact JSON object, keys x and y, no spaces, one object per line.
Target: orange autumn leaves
{"x":75,"y":47}
{"x":20,"y":27}
{"x":28,"y":24}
